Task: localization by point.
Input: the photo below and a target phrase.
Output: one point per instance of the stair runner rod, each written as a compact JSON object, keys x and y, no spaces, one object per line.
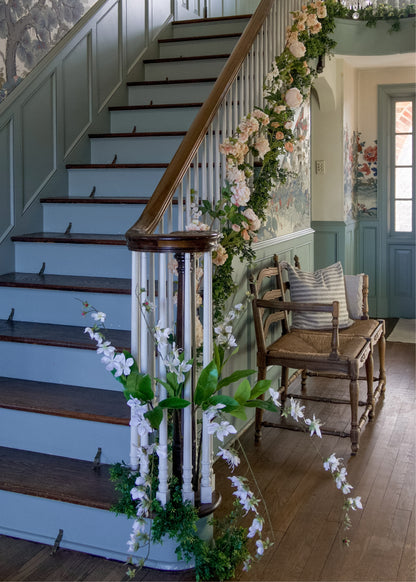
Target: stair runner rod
{"x":165,"y":190}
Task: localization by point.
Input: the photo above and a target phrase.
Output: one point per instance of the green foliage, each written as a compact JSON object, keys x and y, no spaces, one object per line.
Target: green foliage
{"x":373,"y":14}
{"x":124,"y":480}
{"x":178,"y":521}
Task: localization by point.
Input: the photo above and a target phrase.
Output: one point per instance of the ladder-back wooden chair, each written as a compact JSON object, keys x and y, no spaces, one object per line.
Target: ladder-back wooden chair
{"x":333,"y":353}
{"x":356,"y":287}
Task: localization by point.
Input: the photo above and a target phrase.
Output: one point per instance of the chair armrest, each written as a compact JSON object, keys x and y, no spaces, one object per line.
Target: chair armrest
{"x":318,"y":307}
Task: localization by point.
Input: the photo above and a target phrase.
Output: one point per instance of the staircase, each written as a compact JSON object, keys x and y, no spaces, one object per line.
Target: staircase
{"x":63,"y":419}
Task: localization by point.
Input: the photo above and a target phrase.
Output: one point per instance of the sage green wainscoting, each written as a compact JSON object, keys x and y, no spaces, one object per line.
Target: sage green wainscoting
{"x":368,"y":261}
{"x":335,"y":241}
{"x":286,"y":247}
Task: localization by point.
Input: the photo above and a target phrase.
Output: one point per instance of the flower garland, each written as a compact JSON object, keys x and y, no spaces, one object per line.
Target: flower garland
{"x":269,"y":136}
{"x":231,"y":547}
{"x":372,"y":14}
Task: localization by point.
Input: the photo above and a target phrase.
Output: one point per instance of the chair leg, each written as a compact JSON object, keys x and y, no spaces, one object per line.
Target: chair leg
{"x":303,"y":382}
{"x":259,"y":411}
{"x":283,"y":385}
{"x":369,"y":372}
{"x":355,"y":432}
{"x":382,"y":359}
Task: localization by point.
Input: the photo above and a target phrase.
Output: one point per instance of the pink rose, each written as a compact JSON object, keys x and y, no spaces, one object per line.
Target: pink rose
{"x":297,"y":49}
{"x":293,"y":98}
{"x":241,"y":194}
{"x":252,"y":218}
{"x":219,"y":256}
{"x":262,"y":146}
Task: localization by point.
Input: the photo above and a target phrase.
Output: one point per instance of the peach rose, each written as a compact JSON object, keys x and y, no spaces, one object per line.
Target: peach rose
{"x":293,"y":98}
{"x":279,"y":135}
{"x":219,"y":256}
{"x":297,"y":49}
{"x":289,"y":146}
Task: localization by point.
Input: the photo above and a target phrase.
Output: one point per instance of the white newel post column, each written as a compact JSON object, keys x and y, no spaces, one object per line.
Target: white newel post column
{"x":144,"y":343}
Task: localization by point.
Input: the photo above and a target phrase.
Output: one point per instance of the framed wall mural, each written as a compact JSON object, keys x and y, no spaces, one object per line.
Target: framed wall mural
{"x":29,"y":29}
{"x":289,"y":209}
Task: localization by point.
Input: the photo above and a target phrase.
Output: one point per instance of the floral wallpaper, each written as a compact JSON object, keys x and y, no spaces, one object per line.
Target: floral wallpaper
{"x":29,"y":29}
{"x":289,"y":208}
{"x":366,"y":177}
{"x":350,"y":174}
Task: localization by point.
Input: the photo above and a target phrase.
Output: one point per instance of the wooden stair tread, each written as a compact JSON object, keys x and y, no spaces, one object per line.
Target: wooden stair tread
{"x":64,"y":400}
{"x":170,"y":82}
{"x":67,"y":283}
{"x":53,"y":477}
{"x":114,"y":166}
{"x":94,"y":200}
{"x":64,"y":336}
{"x":137,"y":134}
{"x":199,"y":37}
{"x":183,"y":59}
{"x":72,"y":238}
{"x":212,"y":19}
{"x":156,"y":106}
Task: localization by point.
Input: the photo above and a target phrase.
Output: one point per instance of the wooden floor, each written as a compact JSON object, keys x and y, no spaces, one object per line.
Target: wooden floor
{"x":303,"y":503}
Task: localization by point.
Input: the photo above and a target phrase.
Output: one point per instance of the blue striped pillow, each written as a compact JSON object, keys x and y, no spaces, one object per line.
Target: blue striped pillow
{"x":322,"y":286}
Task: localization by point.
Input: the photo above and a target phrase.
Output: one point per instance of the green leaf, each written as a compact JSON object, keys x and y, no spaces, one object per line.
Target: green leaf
{"x":264,"y":404}
{"x":145,"y":387}
{"x":174,"y":403}
{"x":243,"y":392}
{"x":239,"y":413}
{"x":218,"y":357}
{"x":234,"y":377}
{"x":139,"y":386}
{"x":230,"y":403}
{"x":260,"y":388}
{"x":207,"y":383}
{"x":154,"y":416}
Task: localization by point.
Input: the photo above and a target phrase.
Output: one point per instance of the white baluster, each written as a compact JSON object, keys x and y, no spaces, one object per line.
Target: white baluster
{"x":207,"y":475}
{"x":163,"y":489}
{"x":189,"y":323}
{"x":135,"y":333}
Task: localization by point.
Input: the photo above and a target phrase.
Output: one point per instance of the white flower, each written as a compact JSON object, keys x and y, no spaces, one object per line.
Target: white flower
{"x":256,"y":526}
{"x":98,"y":316}
{"x":94,"y":335}
{"x":138,"y":493}
{"x":314,"y":426}
{"x":175,"y":365}
{"x":222,"y":429}
{"x":161,"y":334}
{"x":354,"y":503}
{"x":346,"y":488}
{"x":229,"y":455}
{"x":121,"y":365}
{"x":341,"y":477}
{"x":275,"y":396}
{"x":106,"y":348}
{"x":260,"y":547}
{"x":225,"y":337}
{"x":332,"y":463}
{"x":296,"y":410}
{"x":211,"y":412}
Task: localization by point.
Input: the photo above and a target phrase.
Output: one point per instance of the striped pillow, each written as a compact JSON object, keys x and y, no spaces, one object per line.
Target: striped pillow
{"x":323,"y":286}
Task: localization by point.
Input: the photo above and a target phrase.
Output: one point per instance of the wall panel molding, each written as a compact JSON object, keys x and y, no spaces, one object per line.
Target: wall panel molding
{"x":6,"y":171}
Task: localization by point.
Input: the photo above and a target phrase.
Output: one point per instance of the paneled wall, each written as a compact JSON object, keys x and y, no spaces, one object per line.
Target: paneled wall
{"x":44,"y":122}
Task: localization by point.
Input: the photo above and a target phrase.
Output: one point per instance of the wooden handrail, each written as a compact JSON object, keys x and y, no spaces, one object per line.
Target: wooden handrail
{"x":183,"y":157}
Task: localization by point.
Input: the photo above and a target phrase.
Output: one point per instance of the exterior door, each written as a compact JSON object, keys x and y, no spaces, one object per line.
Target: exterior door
{"x":397,"y":196}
